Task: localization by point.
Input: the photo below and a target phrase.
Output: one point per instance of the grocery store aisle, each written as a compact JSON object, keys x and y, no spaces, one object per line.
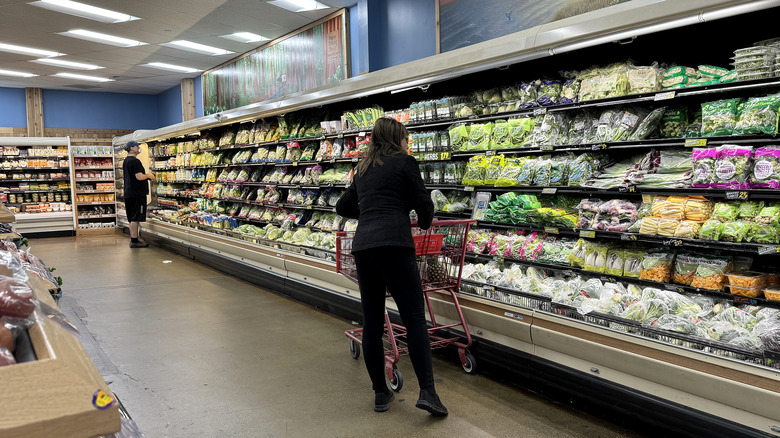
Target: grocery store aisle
{"x":195,"y":353}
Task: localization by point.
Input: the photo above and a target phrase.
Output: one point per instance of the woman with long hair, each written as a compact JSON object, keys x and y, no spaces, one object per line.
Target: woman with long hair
{"x":386,"y":187}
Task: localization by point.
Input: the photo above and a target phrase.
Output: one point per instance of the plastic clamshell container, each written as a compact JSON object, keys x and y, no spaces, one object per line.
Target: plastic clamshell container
{"x":753,"y":62}
{"x":758,"y":50}
{"x":748,"y":279}
{"x":773,"y":279}
{"x":750,"y":76}
{"x":772,"y":294}
{"x":750,"y":292}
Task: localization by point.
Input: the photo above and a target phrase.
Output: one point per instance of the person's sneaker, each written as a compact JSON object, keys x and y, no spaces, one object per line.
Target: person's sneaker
{"x":138,"y":244}
{"x":382,"y":401}
{"x":431,"y":403}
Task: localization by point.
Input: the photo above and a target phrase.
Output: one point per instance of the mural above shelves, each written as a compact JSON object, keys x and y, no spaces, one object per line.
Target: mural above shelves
{"x":467,"y":22}
{"x":311,"y":57}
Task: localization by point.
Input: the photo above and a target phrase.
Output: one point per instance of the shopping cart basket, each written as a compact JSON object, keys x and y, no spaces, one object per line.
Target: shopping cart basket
{"x":440,"y":252}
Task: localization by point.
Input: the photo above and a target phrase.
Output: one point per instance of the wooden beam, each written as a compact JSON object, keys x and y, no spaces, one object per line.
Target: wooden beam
{"x":187,"y":99}
{"x":34,"y":112}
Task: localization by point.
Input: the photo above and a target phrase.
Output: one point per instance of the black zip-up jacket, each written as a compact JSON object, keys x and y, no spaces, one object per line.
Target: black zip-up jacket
{"x":382,"y":199}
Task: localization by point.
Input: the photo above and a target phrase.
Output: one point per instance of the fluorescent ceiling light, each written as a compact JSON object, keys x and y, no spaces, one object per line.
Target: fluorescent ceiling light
{"x":189,"y":45}
{"x":82,"y":77}
{"x":28,"y":51}
{"x":17,"y":74}
{"x":299,"y":5}
{"x":246,"y":37}
{"x":102,"y":38}
{"x":84,"y":11}
{"x":172,"y":67}
{"x":68,"y":64}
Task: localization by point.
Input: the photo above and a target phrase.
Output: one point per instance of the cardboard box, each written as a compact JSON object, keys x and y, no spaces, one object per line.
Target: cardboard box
{"x":61,"y":394}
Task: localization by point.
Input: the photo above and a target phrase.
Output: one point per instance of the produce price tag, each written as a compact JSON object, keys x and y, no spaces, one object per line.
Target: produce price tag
{"x":550,"y":230}
{"x":628,"y":237}
{"x":588,"y":234}
{"x":674,"y":288}
{"x":647,"y":199}
{"x":744,"y":300}
{"x":488,"y":287}
{"x":341,"y":135}
{"x":691,"y":142}
{"x":546,"y":147}
{"x":489,"y":153}
{"x":295,"y":163}
{"x":629,"y":189}
{"x":513,"y":315}
{"x":742,"y":194}
{"x":599,"y":147}
{"x":549,"y":191}
{"x":769,"y":249}
{"x":665,"y":96}
{"x":468,"y":189}
{"x":332,"y":160}
{"x":445,"y":156}
{"x":569,"y":273}
{"x":540,"y":111}
{"x":673,"y":242}
{"x":355,"y":160}
{"x":361,"y":134}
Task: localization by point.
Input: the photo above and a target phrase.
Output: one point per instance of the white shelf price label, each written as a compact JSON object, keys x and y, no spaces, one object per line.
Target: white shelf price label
{"x":628,"y":237}
{"x":490,"y":153}
{"x":549,"y":191}
{"x":768,"y":249}
{"x":468,"y":189}
{"x":513,"y":315}
{"x":540,"y":111}
{"x":665,"y":96}
{"x":599,"y":147}
{"x":551,"y":230}
{"x":587,"y":234}
{"x":546,"y":147}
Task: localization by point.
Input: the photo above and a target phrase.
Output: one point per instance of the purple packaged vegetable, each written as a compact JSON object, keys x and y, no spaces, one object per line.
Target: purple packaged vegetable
{"x":733,"y":167}
{"x":766,"y":168}
{"x":703,"y":160}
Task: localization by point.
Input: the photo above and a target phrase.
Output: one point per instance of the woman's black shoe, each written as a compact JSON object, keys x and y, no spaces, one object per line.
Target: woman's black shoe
{"x":382,"y":401}
{"x":431,"y":403}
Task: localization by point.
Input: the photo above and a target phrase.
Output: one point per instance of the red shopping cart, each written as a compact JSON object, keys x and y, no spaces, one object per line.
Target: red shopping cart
{"x":440,"y":252}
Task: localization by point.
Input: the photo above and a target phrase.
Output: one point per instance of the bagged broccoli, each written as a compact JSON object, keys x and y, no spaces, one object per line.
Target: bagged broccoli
{"x":703,"y":160}
{"x":527,"y":94}
{"x":571,"y":87}
{"x":578,"y":128}
{"x":674,"y":122}
{"x":733,"y":167}
{"x":766,"y":168}
{"x":719,"y":117}
{"x":439,"y":200}
{"x":759,"y":115}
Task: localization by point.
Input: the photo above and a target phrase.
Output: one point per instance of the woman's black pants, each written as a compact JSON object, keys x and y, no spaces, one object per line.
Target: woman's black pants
{"x":393,"y":269}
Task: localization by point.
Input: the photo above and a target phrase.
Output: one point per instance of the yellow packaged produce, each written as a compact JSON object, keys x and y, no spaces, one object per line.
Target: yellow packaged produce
{"x":649,"y":226}
{"x":772,"y":294}
{"x":748,"y":279}
{"x":698,"y":208}
{"x":667,"y":227}
{"x":659,"y":202}
{"x":711,"y":273}
{"x":688,"y":230}
{"x":750,"y":292}
{"x":672,"y":208}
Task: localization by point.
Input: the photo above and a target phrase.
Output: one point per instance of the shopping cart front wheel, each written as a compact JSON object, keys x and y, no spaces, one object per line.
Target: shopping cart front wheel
{"x":397,"y":381}
{"x":354,"y":349}
{"x":469,"y":364}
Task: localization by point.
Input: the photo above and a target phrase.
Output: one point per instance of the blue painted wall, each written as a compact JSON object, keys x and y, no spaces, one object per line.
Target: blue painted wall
{"x":13,"y":108}
{"x":169,"y":106}
{"x":85,"y":110}
{"x":406,"y":32}
{"x":354,"y":41}
{"x":198,"y":96}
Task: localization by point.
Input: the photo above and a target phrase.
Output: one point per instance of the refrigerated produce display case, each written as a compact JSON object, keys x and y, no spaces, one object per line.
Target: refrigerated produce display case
{"x":622,"y":168}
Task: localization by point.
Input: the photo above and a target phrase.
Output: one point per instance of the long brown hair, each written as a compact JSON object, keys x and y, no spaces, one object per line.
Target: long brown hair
{"x":386,"y":138}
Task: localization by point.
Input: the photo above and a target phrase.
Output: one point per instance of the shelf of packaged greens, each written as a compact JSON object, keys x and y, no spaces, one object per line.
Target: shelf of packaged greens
{"x":672,"y":242}
{"x":176,"y":195}
{"x":181,"y":182}
{"x":570,"y":271}
{"x":448,"y":215}
{"x":27,"y":169}
{"x":657,"y":96}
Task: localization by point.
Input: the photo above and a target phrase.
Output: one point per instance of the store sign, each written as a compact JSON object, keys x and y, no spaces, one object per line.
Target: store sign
{"x":311,"y":57}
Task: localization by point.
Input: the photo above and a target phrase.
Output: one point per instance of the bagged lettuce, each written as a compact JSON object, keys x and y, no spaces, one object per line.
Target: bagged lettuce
{"x":719,"y":118}
{"x":766,"y":168}
{"x":759,"y":115}
{"x":674,"y":122}
{"x":703,"y":160}
{"x":733,"y":167}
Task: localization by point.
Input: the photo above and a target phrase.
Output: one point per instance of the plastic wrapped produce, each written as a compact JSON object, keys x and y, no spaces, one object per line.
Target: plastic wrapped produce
{"x":735,"y":231}
{"x":571,"y":87}
{"x":509,"y":173}
{"x":607,"y":119}
{"x":719,"y":117}
{"x":766,"y":168}
{"x":528,"y":94}
{"x":596,"y":258}
{"x":649,"y":226}
{"x":578,"y":128}
{"x":644,"y":79}
{"x":674,"y":122}
{"x":656,"y":266}
{"x":500,"y":137}
{"x":548,"y":92}
{"x":733,"y":167}
{"x":698,"y":208}
{"x":709,"y":229}
{"x":476,"y":169}
{"x":769,"y":215}
{"x":687,"y":229}
{"x":542,"y":173}
{"x":559,"y":170}
{"x":648,"y":125}
{"x":759,"y":115}
{"x":685,"y":266}
{"x":703,"y":160}
{"x":520,"y":131}
{"x":711,"y":273}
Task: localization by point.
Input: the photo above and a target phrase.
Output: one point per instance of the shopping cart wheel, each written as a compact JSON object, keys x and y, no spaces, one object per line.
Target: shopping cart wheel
{"x":470,"y":366}
{"x":354,"y":349}
{"x":397,"y":382}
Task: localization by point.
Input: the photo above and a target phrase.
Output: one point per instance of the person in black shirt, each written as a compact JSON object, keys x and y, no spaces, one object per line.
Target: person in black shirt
{"x":385,"y":188}
{"x":136,"y":189}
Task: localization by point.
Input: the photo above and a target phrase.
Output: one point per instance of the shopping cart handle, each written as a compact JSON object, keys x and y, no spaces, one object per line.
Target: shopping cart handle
{"x":448,"y":222}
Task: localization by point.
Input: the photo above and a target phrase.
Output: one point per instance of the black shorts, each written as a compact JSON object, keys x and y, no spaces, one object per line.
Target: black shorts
{"x":136,"y":209}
